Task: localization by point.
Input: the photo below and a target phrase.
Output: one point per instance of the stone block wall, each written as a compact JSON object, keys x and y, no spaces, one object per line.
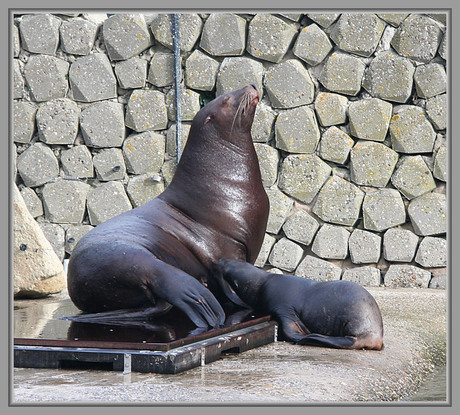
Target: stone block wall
{"x":350,"y":131}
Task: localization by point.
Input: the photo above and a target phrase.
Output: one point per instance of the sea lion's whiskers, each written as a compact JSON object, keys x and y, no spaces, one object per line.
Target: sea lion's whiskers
{"x":242,"y":107}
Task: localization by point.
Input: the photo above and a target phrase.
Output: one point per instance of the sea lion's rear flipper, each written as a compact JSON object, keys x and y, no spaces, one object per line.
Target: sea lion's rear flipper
{"x":292,"y":327}
{"x":321,"y":340}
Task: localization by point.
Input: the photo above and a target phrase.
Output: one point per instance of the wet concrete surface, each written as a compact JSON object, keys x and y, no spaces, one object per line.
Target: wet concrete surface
{"x":415,"y":323}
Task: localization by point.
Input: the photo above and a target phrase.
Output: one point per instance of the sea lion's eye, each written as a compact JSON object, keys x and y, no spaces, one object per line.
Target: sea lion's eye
{"x":208,"y":118}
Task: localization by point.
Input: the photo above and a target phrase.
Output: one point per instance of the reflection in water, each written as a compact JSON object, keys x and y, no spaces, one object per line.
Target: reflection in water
{"x":435,"y":388}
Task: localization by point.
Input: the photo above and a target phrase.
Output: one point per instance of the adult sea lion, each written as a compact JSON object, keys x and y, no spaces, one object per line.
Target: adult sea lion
{"x":163,"y":253}
{"x":339,"y":314}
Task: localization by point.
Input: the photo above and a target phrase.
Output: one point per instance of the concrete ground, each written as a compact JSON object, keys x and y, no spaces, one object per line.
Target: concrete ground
{"x":415,"y":323}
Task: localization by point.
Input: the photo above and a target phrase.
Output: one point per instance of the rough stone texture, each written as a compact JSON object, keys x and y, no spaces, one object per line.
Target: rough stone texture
{"x":56,"y":235}
{"x":18,"y":81}
{"x":406,"y":276}
{"x":297,"y":131}
{"x":64,"y":201}
{"x":201,"y":71}
{"x":268,"y":163}
{"x":383,"y":209}
{"x":285,"y":255}
{"x":171,"y":144}
{"x":125,"y":36}
{"x":399,"y":245}
{"x":331,"y":109}
{"x":102,"y":124}
{"x":364,"y":247}
{"x":40,"y":33}
{"x":394,"y":19}
{"x":92,"y":79}
{"x":430,"y":80}
{"x":109,"y":164}
{"x":37,"y":270}
{"x":364,"y":276}
{"x":77,"y":36}
{"x":269,"y":37}
{"x":335,"y":145}
{"x":23,"y":121}
{"x":312,"y":45}
{"x":262,"y":126}
{"x":331,"y":242}
{"x":46,"y":77}
{"x":189,"y":102}
{"x":428,"y":214}
{"x":362,"y":112}
{"x":389,"y":77}
{"x":77,"y":162}
{"x":57,"y":121}
{"x":417,"y":38}
{"x":37,"y":165}
{"x":411,"y":131}
{"x":143,"y":188}
{"x":267,"y":245}
{"x":237,"y":72}
{"x":301,"y":176}
{"x":440,"y":164}
{"x":16,"y":41}
{"x":443,"y":47}
{"x":74,"y":234}
{"x":280,"y":206}
{"x":339,"y":202}
{"x":357,"y":33}
{"x":106,"y":201}
{"x":432,"y":252}
{"x":131,"y":73}
{"x":144,"y":152}
{"x":372,"y":164}
{"x":412,"y":177}
{"x":439,"y":282}
{"x":32,"y":201}
{"x":436,"y":110}
{"x":224,"y":34}
{"x":324,"y":19}
{"x":342,"y":73}
{"x":146,"y":110}
{"x":318,"y":269}
{"x":161,"y":69}
{"x":301,"y":227}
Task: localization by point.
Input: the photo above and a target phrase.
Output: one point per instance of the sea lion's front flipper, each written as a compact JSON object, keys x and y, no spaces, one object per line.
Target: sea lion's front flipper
{"x":321,"y":340}
{"x":292,"y":327}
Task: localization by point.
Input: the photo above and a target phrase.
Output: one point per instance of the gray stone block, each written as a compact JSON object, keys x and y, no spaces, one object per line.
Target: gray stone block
{"x":335,"y":145}
{"x":372,"y":164}
{"x":37,"y":165}
{"x":285,"y":255}
{"x":189,"y":102}
{"x":411,"y":131}
{"x":370,"y":118}
{"x":389,"y":77}
{"x":131,"y":73}
{"x":269,"y":37}
{"x":364,"y":276}
{"x":125,"y":36}
{"x":262,"y":126}
{"x":430,"y":80}
{"x":432,"y":252}
{"x":106,"y":201}
{"x":364,"y":247}
{"x":201,"y":71}
{"x":280,"y":206}
{"x":171,"y":140}
{"x":443,"y":47}
{"x":46,"y":77}
{"x":399,"y":245}
{"x":143,"y":188}
{"x":102,"y":124}
{"x":395,"y":19}
{"x":357,"y":33}
{"x":268,"y":163}
{"x":383,"y":209}
{"x":339,"y":202}
{"x":331,"y":109}
{"x":297,"y":131}
{"x":77,"y":36}
{"x":264,"y":252}
{"x":289,"y":85}
{"x":144,"y":153}
{"x":237,"y":72}
{"x":302,"y":176}
{"x":436,"y":110}
{"x":439,"y":282}
{"x":428,"y":214}
{"x":167,"y":171}
{"x":406,"y":276}
{"x":412,"y":177}
{"x":92,"y":79}
{"x":342,"y":73}
{"x":16,"y":41}
{"x":74,"y":234}
{"x":318,"y":269}
{"x":32,"y":201}
{"x":190,"y":30}
{"x":23,"y":121}
{"x":224,"y":34}
{"x":146,"y":110}
{"x":40,"y":33}
{"x":291,"y":16}
{"x":56,"y":237}
{"x":57,"y":121}
{"x":301,"y":227}
{"x":77,"y":162}
{"x":18,"y":81}
{"x":324,"y":19}
{"x":440,"y":164}
{"x":312,"y":45}
{"x":418,"y":38}
{"x":161,"y":69}
{"x":109,"y":164}
{"x":331,"y":242}
{"x":64,"y":201}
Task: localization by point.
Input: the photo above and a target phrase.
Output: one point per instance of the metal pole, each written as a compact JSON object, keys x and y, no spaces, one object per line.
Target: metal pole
{"x":177,"y":77}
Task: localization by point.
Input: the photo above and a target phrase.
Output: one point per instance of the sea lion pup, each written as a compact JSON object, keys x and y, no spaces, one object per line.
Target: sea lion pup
{"x":163,"y":253}
{"x":338,"y":314}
